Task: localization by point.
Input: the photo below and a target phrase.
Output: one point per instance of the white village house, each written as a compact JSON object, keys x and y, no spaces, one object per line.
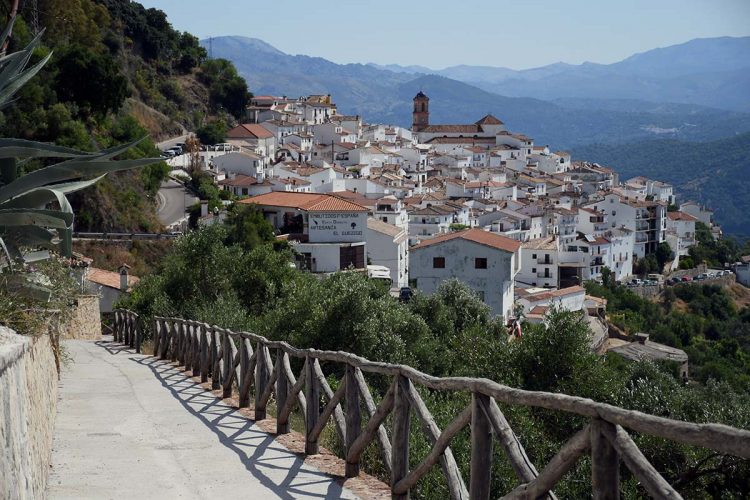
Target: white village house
{"x":486,"y":262}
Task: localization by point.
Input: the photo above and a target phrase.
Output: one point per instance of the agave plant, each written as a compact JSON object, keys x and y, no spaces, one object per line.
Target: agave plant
{"x":34,"y":210}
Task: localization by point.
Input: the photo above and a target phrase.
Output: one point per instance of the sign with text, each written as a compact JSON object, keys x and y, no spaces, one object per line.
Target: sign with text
{"x":329,"y":227}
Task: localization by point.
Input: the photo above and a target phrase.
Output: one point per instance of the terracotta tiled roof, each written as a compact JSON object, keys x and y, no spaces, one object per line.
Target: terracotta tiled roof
{"x":477,"y":236}
{"x":461,"y":140}
{"x":452,"y":129}
{"x":109,"y":279}
{"x":306,"y":201}
{"x":683,"y":216}
{"x":489,"y":120}
{"x":249,"y":130}
{"x":239,"y":181}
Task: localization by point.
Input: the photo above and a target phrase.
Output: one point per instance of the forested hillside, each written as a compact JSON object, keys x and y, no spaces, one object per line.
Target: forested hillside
{"x":716,"y":173}
{"x":118,"y":72}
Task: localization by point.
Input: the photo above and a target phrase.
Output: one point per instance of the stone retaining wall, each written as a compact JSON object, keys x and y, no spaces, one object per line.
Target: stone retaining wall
{"x":85,"y":323}
{"x":28,"y":400}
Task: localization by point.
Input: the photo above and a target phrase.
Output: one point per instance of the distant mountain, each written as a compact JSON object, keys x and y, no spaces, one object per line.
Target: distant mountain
{"x":711,"y":72}
{"x":716,"y":173}
{"x":383,"y":95}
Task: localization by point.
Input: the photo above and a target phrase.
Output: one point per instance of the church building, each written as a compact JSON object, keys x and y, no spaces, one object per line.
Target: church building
{"x":486,"y":133}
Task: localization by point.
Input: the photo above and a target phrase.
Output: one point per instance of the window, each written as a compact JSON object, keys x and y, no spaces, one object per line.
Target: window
{"x":480,"y":263}
{"x":533,"y":256}
{"x":533,"y":269}
{"x":438,"y":262}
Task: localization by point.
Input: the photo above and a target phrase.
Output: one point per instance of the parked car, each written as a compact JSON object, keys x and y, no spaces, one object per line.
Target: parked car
{"x":701,"y":277}
{"x":673,"y":280}
{"x":687,"y":278}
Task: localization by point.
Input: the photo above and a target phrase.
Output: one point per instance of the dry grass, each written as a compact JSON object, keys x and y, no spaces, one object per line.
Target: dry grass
{"x":143,"y":257}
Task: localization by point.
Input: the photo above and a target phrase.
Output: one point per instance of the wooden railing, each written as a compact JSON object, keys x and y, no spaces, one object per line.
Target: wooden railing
{"x":128,"y":329}
{"x":262,"y":367}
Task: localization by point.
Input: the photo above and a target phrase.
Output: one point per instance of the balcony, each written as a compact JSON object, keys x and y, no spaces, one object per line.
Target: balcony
{"x":545,"y":261}
{"x":543,"y":275}
{"x":597,"y":261}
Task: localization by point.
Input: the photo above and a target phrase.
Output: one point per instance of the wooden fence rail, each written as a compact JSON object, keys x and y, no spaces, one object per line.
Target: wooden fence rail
{"x":262,"y":367}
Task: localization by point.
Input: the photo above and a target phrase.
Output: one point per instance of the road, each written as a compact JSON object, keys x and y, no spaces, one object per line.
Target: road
{"x":173,"y":199}
{"x":164,"y":145}
{"x":131,"y":426}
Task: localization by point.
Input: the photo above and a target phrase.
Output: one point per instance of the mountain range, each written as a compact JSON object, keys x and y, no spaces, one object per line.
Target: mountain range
{"x":561,"y":118}
{"x":713,"y":72}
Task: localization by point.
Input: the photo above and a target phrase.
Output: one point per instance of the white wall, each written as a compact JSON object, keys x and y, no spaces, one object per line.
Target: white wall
{"x":495,"y":283}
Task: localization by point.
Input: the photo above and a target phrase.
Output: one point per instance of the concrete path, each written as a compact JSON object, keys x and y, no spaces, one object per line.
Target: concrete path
{"x":130,"y":426}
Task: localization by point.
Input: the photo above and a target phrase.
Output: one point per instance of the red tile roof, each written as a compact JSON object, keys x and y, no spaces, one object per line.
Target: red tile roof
{"x":239,"y":181}
{"x":249,"y":130}
{"x":479,"y":236}
{"x":683,"y":216}
{"x":310,"y":202}
{"x":489,"y":120}
{"x":454,"y":129}
{"x":109,"y":279}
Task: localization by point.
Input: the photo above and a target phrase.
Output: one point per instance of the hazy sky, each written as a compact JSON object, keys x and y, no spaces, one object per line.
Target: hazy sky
{"x":439,"y":33}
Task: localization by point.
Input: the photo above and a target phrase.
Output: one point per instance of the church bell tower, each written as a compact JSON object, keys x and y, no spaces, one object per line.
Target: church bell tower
{"x":421,"y":113}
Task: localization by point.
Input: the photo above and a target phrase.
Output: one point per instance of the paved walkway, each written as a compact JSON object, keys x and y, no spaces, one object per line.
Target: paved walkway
{"x":130,"y":426}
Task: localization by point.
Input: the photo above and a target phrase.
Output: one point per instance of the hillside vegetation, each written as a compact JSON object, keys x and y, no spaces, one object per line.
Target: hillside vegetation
{"x":234,"y":278}
{"x":118,"y":72}
{"x":716,"y":173}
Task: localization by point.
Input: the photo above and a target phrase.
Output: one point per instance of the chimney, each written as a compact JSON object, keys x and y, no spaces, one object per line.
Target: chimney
{"x":124,"y":277}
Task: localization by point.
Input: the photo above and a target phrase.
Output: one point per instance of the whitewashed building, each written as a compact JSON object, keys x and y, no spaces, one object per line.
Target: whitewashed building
{"x":330,"y":233}
{"x":388,"y":245}
{"x":487,"y":262}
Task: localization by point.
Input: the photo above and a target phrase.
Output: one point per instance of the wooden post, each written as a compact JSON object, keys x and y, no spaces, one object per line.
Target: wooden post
{"x":244,"y":367}
{"x":605,"y":462}
{"x":282,"y":389}
{"x":481,"y":448}
{"x":312,"y":397}
{"x":261,"y":380}
{"x":138,"y":334}
{"x":188,"y":351}
{"x":157,"y":337}
{"x":115,"y":326}
{"x":353,"y":418}
{"x":204,"y":352}
{"x":132,"y":330}
{"x":228,"y":365}
{"x":215,"y":360}
{"x":400,"y":436}
{"x":196,"y":334}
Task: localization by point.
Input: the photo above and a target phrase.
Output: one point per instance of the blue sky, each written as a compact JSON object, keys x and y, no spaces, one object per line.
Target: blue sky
{"x":438,"y":33}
